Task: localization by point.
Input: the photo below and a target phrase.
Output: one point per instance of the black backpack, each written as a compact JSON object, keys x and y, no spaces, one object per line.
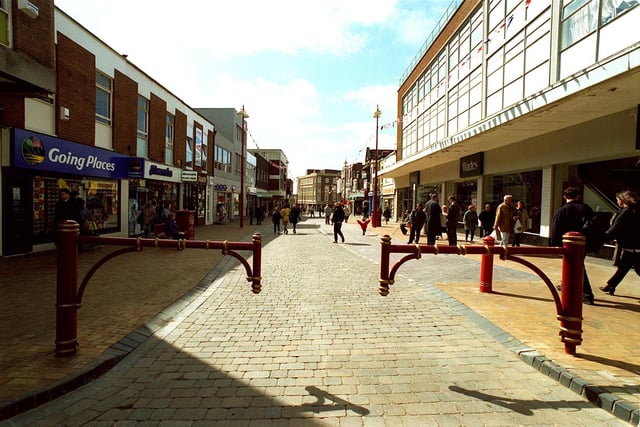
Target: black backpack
{"x":593,"y":229}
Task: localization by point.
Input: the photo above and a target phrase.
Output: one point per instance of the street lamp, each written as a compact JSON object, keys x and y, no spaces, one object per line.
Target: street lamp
{"x":242,"y":113}
{"x":374,"y":215}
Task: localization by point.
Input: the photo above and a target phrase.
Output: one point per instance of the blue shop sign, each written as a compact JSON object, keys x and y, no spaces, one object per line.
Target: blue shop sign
{"x":35,"y":151}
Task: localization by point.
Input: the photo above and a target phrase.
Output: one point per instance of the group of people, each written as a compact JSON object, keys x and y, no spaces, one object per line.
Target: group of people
{"x":286,"y":215}
{"x":70,"y":207}
{"x":435,"y":220}
{"x":624,"y":230}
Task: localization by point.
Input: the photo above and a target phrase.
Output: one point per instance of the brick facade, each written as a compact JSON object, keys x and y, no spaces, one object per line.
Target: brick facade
{"x":76,"y":90}
{"x":33,"y":38}
{"x":125,"y":109}
{"x":157,"y":123}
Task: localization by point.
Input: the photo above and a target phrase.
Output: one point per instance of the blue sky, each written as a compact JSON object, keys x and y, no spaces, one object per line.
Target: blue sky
{"x":310,"y":74}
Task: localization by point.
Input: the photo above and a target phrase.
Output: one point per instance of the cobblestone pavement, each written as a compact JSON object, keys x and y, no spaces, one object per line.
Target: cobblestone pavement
{"x":319,"y":346}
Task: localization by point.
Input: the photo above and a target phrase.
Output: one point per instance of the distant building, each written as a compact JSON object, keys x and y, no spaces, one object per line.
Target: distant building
{"x":318,"y":188}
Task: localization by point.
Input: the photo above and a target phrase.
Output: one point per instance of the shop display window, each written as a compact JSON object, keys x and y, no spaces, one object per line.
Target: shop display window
{"x":101,"y":197}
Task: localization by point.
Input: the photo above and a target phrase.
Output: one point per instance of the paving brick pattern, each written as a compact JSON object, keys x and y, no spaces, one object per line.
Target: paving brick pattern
{"x":319,"y":346}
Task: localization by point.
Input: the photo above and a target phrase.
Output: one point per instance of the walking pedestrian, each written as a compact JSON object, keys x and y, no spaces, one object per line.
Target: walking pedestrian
{"x":406,"y":220}
{"x":418,"y":219}
{"x":625,"y":230}
{"x":470,"y":220}
{"x":386,"y":214}
{"x":276,"y":217}
{"x":570,"y":217}
{"x":453,"y":216}
{"x":285,"y":218}
{"x":294,"y":216}
{"x":487,"y":218}
{"x":327,"y":214}
{"x":433,"y":212}
{"x":521,"y":222}
{"x":504,"y":220}
{"x":337,"y":218}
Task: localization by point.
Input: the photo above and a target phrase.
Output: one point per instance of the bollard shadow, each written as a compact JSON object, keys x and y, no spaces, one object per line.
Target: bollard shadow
{"x":338,"y":403}
{"x":521,"y":406}
{"x":629,"y":367}
{"x":198,"y":385}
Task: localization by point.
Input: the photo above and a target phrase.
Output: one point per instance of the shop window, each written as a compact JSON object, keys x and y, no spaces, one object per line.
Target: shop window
{"x":525,"y":186}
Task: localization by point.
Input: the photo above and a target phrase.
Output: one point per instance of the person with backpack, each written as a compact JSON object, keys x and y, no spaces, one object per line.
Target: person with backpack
{"x":570,"y":217}
{"x":625,"y":230}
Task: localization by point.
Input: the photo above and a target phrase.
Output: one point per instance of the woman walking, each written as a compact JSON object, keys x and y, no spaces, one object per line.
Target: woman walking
{"x":626,"y":231}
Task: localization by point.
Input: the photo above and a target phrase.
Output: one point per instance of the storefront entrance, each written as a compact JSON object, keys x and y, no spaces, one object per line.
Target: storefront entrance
{"x":17,"y":217}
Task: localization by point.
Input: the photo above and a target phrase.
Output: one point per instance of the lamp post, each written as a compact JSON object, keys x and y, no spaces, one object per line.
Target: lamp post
{"x":374,"y":215}
{"x":242,"y":113}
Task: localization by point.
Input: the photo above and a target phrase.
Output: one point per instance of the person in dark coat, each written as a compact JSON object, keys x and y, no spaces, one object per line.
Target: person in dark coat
{"x":67,"y":208}
{"x":570,"y":217}
{"x":294,"y":216}
{"x":171,"y":227}
{"x":453,"y":215}
{"x":418,"y":219}
{"x":487,"y":218}
{"x":337,"y":219}
{"x":625,"y":230}
{"x":433,"y":212}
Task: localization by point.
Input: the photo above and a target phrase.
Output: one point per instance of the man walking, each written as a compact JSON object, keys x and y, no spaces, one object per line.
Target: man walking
{"x":453,"y":215}
{"x":570,"y":217}
{"x":337,"y":219}
{"x":504,"y":220}
{"x":418,"y":219}
{"x":433,"y":213}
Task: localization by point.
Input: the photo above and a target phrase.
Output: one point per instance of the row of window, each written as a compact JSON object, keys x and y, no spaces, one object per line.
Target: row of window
{"x":517,"y":47}
{"x":196,"y":152}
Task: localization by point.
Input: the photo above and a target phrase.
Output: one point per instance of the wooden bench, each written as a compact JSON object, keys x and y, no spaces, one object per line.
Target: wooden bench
{"x":158,"y":231}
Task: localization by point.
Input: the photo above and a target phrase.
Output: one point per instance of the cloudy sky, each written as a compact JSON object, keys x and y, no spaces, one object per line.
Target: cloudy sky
{"x":309,"y":73}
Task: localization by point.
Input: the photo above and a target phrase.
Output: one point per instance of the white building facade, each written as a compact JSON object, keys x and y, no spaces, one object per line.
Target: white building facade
{"x":523,"y":98}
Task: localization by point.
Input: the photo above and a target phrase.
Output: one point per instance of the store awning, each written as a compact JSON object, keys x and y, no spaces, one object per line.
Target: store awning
{"x":263,"y":194}
{"x":356,"y":196}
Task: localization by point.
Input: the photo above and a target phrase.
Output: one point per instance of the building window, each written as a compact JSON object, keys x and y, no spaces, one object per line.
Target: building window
{"x":222,"y":159}
{"x":4,"y":22}
{"x":205,"y":147}
{"x":168,"y":144}
{"x":143,"y":127}
{"x":189,"y":156}
{"x":103,"y":98}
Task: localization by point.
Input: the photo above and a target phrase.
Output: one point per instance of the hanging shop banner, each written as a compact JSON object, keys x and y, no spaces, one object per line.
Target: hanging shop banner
{"x":35,"y":151}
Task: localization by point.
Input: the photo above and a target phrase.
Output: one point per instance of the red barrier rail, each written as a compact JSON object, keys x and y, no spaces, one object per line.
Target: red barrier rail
{"x":69,"y":296}
{"x":568,"y":305}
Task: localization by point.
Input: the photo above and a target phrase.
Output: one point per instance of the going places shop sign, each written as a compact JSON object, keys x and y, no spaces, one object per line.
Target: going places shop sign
{"x":31,"y":150}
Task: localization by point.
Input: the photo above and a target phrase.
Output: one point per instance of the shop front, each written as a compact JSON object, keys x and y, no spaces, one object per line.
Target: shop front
{"x":194,"y":194}
{"x":223,"y":200}
{"x":159,"y":185}
{"x":42,"y":165}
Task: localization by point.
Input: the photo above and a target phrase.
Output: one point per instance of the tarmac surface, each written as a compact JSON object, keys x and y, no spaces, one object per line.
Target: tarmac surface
{"x":318,"y":345}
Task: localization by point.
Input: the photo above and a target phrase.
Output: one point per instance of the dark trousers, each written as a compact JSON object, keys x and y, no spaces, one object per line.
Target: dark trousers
{"x":337,"y":231}
{"x":414,"y":234}
{"x":452,"y":235}
{"x":627,"y":261}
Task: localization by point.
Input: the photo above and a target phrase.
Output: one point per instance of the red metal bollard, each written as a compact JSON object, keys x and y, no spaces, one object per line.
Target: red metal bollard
{"x":256,"y":280}
{"x":572,"y":288}
{"x":385,"y":246}
{"x":67,"y":289}
{"x":486,"y":267}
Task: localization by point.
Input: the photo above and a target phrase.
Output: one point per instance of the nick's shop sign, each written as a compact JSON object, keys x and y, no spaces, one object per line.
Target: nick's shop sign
{"x":472,"y":165}
{"x":31,"y":150}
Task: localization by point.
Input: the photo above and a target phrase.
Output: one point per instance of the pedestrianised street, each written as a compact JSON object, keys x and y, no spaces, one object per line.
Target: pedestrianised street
{"x":320,"y":346}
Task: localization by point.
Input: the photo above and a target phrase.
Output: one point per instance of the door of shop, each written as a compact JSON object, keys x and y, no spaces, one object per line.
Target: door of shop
{"x":17,"y":219}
